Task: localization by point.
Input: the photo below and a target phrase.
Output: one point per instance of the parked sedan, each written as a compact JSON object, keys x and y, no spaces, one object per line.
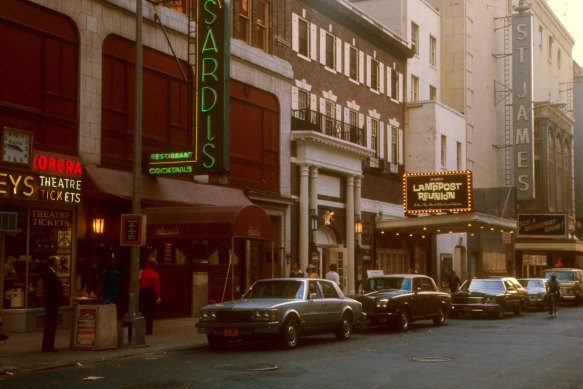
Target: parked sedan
{"x":402,"y":298}
{"x":282,"y":309}
{"x":490,"y":295}
{"x":537,"y":292}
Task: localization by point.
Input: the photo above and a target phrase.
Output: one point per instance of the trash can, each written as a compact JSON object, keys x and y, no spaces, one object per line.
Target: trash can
{"x":94,"y":325}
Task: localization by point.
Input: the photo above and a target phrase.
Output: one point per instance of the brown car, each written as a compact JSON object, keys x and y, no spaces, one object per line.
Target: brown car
{"x":402,"y":298}
{"x":571,"y":283}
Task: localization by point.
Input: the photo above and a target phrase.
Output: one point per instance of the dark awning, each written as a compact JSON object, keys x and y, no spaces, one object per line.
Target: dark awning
{"x":104,"y":183}
{"x":247,"y":221}
{"x":462,"y":222}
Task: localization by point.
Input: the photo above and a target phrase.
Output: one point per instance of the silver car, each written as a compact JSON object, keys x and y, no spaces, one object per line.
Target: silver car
{"x":537,"y":292}
{"x":282,"y":309}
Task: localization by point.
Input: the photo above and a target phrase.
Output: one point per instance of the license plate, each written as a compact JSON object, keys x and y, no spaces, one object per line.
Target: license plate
{"x":231,"y":332}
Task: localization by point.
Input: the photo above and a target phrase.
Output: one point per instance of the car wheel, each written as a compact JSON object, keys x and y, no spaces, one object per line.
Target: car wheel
{"x":217,"y":342}
{"x":344,"y":329}
{"x":404,"y":321}
{"x":518,"y":309}
{"x":289,"y":333}
{"x":439,"y":319}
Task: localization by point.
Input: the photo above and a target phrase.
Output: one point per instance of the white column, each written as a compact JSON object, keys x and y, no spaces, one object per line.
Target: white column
{"x":357,"y":214}
{"x":314,"y":189}
{"x":350,"y":235}
{"x":304,"y":217}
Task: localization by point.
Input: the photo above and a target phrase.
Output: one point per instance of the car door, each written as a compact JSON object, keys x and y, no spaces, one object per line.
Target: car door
{"x":333,"y":304}
{"x":512,"y":296}
{"x":416,"y":299}
{"x":314,"y":312}
{"x":430,"y":301}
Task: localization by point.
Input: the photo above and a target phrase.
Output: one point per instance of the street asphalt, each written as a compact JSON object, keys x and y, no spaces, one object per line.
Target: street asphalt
{"x":21,"y":351}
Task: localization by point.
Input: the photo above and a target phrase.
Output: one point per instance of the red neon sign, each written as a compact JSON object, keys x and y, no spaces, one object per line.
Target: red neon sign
{"x":57,"y":165}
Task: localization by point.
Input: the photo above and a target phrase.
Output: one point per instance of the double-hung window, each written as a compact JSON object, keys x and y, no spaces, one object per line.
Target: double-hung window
{"x":353,"y":63}
{"x":374,"y":136}
{"x":330,"y":51}
{"x":303,"y":38}
{"x":432,"y":51}
{"x":262,"y":25}
{"x":374,"y":74}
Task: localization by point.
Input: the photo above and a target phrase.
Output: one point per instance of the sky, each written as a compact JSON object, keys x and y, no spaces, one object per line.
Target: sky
{"x":570,"y":12}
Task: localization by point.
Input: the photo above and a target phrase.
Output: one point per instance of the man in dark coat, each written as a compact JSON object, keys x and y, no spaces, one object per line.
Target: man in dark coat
{"x":454,"y":282}
{"x":53,"y":298}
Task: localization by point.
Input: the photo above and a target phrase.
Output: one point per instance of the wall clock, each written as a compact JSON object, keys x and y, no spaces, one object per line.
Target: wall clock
{"x":16,"y":146}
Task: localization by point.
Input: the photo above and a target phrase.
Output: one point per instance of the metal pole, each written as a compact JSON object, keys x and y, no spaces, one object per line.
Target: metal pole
{"x":134,"y":320}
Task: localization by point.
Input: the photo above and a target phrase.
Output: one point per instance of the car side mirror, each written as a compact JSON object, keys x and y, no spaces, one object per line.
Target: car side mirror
{"x":313,"y":296}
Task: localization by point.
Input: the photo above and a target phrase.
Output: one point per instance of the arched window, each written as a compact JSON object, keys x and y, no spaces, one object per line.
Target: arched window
{"x":568,"y":174}
{"x":551,"y":168}
{"x":560,"y":176}
{"x":39,"y":77}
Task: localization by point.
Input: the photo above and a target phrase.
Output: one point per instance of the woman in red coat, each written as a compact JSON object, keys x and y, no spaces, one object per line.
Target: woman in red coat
{"x":149,"y":294}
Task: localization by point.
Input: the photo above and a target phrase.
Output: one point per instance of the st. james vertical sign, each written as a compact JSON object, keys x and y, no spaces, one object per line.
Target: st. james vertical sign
{"x":523,"y":129}
{"x":212,"y":86}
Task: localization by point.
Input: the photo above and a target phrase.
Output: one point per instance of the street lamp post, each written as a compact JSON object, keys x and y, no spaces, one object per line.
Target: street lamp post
{"x":133,"y":319}
{"x":313,"y":247}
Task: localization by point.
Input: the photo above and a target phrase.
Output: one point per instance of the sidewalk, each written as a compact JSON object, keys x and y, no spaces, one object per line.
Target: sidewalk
{"x":21,"y":351}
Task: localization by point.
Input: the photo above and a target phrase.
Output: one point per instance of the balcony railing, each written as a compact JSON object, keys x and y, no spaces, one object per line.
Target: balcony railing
{"x":306,"y":120}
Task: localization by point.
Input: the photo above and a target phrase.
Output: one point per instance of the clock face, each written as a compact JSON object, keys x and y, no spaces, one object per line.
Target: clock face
{"x":16,"y":146}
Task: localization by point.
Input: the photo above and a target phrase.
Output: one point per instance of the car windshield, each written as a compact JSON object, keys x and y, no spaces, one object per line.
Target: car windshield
{"x":532,"y":283}
{"x":276,"y":289}
{"x":380,"y":283}
{"x":561,"y":275}
{"x":488,"y":286}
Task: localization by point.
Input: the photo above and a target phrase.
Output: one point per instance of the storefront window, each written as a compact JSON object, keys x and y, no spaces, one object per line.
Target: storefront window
{"x":41,"y":233}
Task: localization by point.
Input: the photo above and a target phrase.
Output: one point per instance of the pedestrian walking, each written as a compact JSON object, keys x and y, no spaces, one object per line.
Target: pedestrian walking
{"x":454,"y":282}
{"x":52,"y":298}
{"x":310,"y":271}
{"x":332,"y":275}
{"x":149,"y":294}
{"x":296,"y":272}
{"x":90,"y":277}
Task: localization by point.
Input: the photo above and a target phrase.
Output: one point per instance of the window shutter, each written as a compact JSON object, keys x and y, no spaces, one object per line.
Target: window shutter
{"x":368,"y":61}
{"x":400,"y":145}
{"x":400,"y":87}
{"x":346,"y":59}
{"x":360,"y":120}
{"x":322,"y":106}
{"x":338,"y":112}
{"x":346,"y":116}
{"x":389,"y":82}
{"x":381,"y":140}
{"x":313,"y":102}
{"x":381,"y":77}
{"x":295,"y":33}
{"x":322,"y":47}
{"x":361,"y":67}
{"x":313,"y":42}
{"x":294,"y":102}
{"x":368,"y":133}
{"x":338,"y":55}
{"x":389,"y":143}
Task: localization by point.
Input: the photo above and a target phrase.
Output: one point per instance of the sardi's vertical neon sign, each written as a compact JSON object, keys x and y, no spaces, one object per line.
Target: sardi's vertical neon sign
{"x":212,"y":86}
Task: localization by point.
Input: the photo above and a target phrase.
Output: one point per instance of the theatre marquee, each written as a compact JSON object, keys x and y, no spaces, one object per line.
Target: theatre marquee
{"x":437,"y":192}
